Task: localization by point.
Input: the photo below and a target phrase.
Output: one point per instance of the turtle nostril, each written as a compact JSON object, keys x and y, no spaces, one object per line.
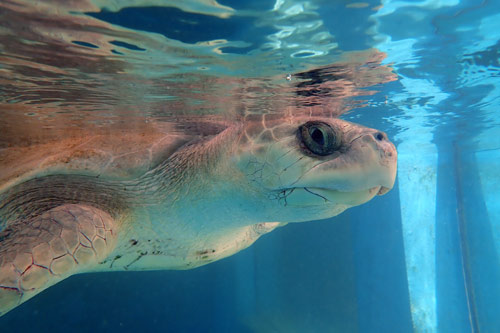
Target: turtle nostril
{"x":379,"y":136}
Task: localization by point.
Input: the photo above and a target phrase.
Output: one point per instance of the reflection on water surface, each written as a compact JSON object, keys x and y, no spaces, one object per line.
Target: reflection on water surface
{"x":68,"y":68}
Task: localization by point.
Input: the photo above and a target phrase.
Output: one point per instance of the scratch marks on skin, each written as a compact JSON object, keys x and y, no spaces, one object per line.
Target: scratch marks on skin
{"x":289,"y":166}
{"x":282,"y":195}
{"x":280,"y":174}
{"x":205,"y":254}
{"x":304,"y":173}
{"x":114,"y":259}
{"x":356,"y":138}
{"x":286,"y":153}
{"x":258,"y":170}
{"x":156,"y":247}
{"x":141,"y":254}
{"x":134,"y":242}
{"x":308,"y":190}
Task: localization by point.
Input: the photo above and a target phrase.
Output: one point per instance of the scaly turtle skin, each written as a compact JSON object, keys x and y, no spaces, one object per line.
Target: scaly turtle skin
{"x":175,"y":202}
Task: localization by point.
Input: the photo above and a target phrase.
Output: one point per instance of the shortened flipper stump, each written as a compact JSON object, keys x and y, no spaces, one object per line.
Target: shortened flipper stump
{"x":39,"y":252}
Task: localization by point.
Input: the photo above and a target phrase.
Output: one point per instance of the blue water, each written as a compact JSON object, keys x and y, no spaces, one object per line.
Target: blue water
{"x":423,"y":258}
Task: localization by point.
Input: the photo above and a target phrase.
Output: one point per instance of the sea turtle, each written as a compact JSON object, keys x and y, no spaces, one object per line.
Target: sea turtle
{"x":176,"y":202}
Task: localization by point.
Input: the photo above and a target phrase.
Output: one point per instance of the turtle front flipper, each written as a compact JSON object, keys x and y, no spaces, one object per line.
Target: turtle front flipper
{"x":39,"y":252}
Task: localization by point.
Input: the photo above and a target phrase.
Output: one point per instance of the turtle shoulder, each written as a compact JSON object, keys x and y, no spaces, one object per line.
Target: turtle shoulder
{"x":117,"y":156}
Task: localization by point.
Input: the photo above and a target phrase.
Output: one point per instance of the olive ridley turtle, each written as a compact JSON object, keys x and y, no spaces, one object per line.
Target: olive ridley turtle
{"x":178,"y":202}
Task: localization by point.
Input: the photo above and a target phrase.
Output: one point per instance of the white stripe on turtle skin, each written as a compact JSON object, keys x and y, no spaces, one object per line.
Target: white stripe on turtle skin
{"x":203,"y":201}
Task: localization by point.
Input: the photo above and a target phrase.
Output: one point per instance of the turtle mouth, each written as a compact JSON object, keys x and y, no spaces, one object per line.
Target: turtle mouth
{"x":383,"y":190}
{"x":330,"y":194}
{"x":313,"y":196}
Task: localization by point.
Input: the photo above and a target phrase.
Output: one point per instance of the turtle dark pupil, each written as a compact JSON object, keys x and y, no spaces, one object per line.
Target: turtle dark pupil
{"x":317,"y":136}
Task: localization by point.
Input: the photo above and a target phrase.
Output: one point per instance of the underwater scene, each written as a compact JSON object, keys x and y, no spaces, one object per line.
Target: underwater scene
{"x":249,"y":166}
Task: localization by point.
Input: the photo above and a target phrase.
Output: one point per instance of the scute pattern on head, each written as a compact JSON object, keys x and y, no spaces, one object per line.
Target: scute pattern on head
{"x":278,"y":161}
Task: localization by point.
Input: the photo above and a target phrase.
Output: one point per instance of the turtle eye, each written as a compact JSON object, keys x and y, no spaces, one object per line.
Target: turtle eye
{"x":320,"y":138}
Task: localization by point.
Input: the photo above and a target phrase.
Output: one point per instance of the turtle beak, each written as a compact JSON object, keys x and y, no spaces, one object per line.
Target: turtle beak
{"x":383,"y":190}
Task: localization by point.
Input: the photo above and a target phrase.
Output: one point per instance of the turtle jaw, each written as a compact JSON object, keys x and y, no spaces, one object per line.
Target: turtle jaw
{"x":301,"y":204}
{"x":366,"y":168}
{"x":383,"y":190}
{"x":320,"y":196}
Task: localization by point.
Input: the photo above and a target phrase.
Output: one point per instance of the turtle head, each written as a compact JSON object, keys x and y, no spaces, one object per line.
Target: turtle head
{"x":306,"y":169}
